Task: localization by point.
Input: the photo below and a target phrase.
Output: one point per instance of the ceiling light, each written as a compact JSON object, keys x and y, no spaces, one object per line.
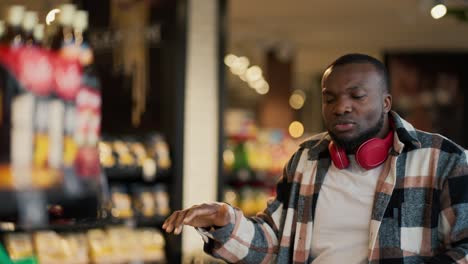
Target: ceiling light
{"x":243,"y":76}
{"x":296,"y":101}
{"x":253,"y":73}
{"x":229,"y":59}
{"x":240,"y":65}
{"x":264,"y":88}
{"x":296,"y":129}
{"x":438,"y":11}
{"x":51,"y":16}
{"x":257,"y":84}
{"x":238,"y":70}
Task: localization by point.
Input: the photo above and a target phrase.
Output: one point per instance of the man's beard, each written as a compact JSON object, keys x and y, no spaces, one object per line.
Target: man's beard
{"x":352,"y":144}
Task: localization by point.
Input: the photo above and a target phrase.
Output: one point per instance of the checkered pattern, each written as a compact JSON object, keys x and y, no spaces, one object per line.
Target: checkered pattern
{"x":420,"y":211}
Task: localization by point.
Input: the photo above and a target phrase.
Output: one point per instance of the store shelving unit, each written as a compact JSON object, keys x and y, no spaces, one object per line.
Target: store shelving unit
{"x":165,"y":99}
{"x":83,"y":205}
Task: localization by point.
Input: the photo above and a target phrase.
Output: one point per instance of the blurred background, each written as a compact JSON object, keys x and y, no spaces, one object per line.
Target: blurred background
{"x":197,"y":101}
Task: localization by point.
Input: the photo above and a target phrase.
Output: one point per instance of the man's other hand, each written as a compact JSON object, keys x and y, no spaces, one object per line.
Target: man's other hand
{"x":203,"y":215}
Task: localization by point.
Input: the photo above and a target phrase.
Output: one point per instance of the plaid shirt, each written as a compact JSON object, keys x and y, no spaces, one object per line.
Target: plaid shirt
{"x":419,"y":215}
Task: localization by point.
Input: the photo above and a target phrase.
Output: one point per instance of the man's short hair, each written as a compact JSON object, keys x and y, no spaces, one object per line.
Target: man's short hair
{"x":363,"y":58}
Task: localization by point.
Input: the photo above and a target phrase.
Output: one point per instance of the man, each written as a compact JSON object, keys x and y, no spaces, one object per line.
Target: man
{"x":372,"y":189}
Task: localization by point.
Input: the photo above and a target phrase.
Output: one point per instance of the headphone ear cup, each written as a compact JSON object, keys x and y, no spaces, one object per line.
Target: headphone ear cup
{"x":374,"y":152}
{"x":371,"y":154}
{"x":338,"y":156}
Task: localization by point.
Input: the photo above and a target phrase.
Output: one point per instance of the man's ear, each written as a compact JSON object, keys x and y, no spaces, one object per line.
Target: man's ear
{"x":387,"y":103}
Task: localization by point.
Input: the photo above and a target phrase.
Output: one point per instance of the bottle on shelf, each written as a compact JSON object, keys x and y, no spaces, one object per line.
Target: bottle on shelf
{"x":64,"y":34}
{"x":38,"y":35}
{"x":14,"y":32}
{"x":88,"y":103}
{"x":29,"y":22}
{"x":62,"y":143}
{"x":19,"y":26}
{"x":241,"y":167}
{"x":9,"y":87}
{"x":2,"y":30}
{"x":80,"y":27}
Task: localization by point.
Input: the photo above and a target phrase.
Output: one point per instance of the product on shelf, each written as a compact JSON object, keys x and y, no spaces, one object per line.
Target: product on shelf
{"x":63,"y":37}
{"x":121,"y":202}
{"x":29,"y":22}
{"x":77,"y":247}
{"x":159,"y":149}
{"x":261,"y":158}
{"x":123,"y":152}
{"x":106,"y":156}
{"x":250,"y":200}
{"x":123,"y":245}
{"x":144,"y":157}
{"x":231,"y":196}
{"x":117,"y":244}
{"x":139,"y":152}
{"x":162,"y":200}
{"x":19,"y":246}
{"x":2,"y":30}
{"x":240,"y":124}
{"x":51,"y":102}
{"x":13,"y":35}
{"x":50,"y":122}
{"x":144,"y":200}
{"x":38,"y":35}
{"x":253,"y":161}
{"x":100,"y":247}
{"x":152,"y":243}
{"x":50,"y":248}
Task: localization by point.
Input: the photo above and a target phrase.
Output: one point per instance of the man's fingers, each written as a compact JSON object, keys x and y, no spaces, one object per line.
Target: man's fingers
{"x":179,"y":229}
{"x":169,"y":223}
{"x":168,"y":220}
{"x":197,"y":216}
{"x":179,"y":221}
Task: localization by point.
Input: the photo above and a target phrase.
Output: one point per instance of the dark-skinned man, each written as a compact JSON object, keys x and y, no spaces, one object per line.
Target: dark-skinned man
{"x":372,"y":189}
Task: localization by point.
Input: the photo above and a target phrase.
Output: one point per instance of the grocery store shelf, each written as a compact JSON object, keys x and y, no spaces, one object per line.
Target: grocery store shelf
{"x":134,"y":174}
{"x":82,"y":204}
{"x":85,"y":224}
{"x":251,"y":178}
{"x":64,"y":226}
{"x":156,"y":221}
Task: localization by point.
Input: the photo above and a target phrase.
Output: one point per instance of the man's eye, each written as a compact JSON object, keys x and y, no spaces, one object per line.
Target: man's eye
{"x":359,"y":96}
{"x":329,"y":99}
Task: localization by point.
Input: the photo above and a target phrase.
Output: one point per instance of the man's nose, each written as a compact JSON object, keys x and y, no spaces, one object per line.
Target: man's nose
{"x":342,"y":107}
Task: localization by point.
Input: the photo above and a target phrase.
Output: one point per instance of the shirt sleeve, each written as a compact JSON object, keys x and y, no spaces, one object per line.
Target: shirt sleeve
{"x":453,"y":224}
{"x":252,"y":239}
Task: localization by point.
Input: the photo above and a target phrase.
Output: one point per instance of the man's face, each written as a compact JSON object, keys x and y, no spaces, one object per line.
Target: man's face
{"x":354,"y":105}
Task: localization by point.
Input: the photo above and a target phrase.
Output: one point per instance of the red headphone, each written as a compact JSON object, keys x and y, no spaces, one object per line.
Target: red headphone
{"x":369,"y":155}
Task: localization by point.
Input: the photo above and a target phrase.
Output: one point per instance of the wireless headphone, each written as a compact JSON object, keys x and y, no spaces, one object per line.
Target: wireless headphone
{"x":369,"y":155}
